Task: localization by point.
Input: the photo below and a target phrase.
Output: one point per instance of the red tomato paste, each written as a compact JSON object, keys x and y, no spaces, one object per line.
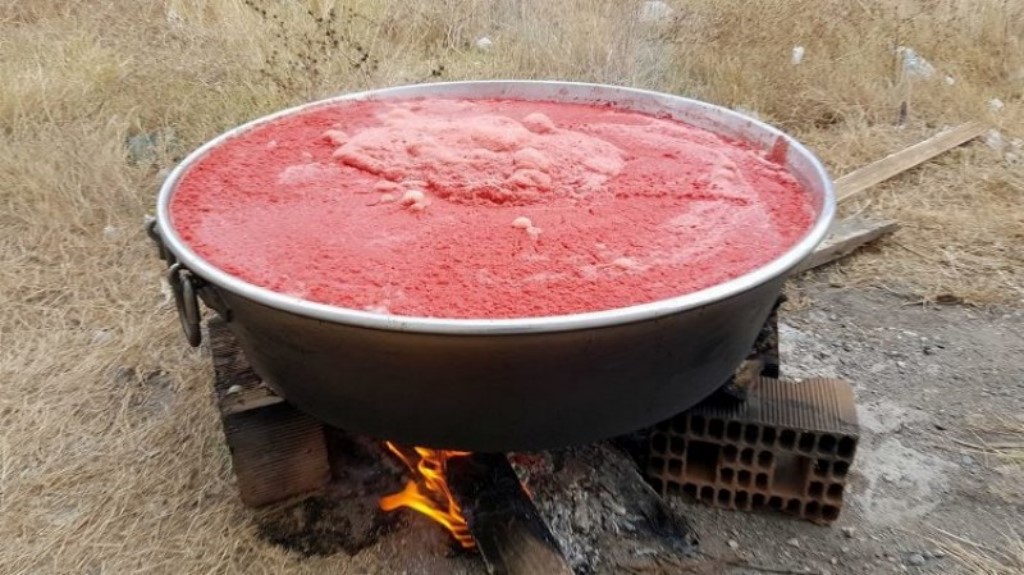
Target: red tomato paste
{"x":486,"y":208}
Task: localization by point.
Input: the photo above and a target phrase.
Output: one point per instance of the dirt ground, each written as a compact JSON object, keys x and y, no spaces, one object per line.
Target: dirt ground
{"x":924,"y":378}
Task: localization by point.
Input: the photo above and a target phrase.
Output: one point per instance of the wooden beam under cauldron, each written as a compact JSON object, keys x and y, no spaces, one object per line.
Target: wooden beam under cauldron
{"x":511,"y":536}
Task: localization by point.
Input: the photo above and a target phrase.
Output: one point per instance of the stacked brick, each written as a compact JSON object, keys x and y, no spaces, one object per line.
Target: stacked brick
{"x":788,"y":447}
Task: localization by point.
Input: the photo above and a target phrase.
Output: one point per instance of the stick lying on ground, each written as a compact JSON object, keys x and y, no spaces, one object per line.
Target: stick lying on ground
{"x":846,"y":236}
{"x":849,"y":234}
{"x":892,"y":165}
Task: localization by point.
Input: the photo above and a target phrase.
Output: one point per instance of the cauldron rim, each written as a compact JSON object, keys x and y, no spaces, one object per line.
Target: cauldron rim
{"x":628,"y":98}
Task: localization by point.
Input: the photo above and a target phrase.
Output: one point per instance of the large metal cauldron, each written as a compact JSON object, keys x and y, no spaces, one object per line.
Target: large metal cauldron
{"x":502,"y":385}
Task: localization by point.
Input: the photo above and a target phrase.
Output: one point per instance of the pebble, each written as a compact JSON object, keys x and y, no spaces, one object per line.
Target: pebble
{"x":798,"y":55}
{"x":834,"y":561}
{"x":967,"y":460}
{"x":794,"y":542}
{"x":915,"y":559}
{"x":234,"y":389}
{"x":483,"y":43}
{"x":849,"y":532}
{"x":655,"y":11}
{"x":733,"y":544}
{"x":928,"y":555}
{"x":102,"y":336}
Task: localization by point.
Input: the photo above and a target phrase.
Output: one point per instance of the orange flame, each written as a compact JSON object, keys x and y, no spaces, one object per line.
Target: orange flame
{"x":430,"y":496}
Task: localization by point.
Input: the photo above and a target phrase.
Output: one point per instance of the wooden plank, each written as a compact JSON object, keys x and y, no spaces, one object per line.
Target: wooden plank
{"x":246,"y":399}
{"x":236,"y":386}
{"x":861,"y":179}
{"x":846,"y":236}
{"x":277,"y":452}
{"x":509,"y":533}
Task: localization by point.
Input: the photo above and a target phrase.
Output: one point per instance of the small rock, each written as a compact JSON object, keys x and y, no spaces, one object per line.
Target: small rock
{"x":483,"y":43}
{"x":950,"y":80}
{"x":798,"y":55}
{"x":967,"y":460}
{"x":123,"y":374}
{"x":143,"y":149}
{"x":928,"y":555}
{"x":938,"y":554}
{"x":794,"y":542}
{"x":834,"y":561}
{"x":914,"y":64}
{"x":994,"y":139}
{"x":733,"y":544}
{"x":915,"y":559}
{"x":234,"y":389}
{"x":995,"y":104}
{"x":849,"y":532}
{"x":655,"y":11}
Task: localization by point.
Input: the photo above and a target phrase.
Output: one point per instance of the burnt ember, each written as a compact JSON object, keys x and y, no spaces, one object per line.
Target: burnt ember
{"x":606,"y":516}
{"x":326,"y":523}
{"x":344,"y":515}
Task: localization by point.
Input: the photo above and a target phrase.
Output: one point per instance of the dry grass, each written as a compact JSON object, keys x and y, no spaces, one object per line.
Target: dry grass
{"x":1004,"y":558}
{"x":110,"y":455}
{"x":998,"y":440}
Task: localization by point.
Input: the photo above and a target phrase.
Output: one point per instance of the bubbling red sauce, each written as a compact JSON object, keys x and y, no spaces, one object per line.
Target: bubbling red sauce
{"x":486,"y":208}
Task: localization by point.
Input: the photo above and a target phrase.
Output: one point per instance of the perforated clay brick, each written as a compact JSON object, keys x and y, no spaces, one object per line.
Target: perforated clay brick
{"x":788,"y":447}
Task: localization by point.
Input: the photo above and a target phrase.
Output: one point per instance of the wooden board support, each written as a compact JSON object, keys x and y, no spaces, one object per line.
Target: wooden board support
{"x":277,"y":451}
{"x":855,"y":182}
{"x":509,"y":533}
{"x":846,"y":236}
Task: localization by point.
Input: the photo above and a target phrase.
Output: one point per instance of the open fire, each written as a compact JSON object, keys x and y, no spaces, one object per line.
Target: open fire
{"x":427,"y":492}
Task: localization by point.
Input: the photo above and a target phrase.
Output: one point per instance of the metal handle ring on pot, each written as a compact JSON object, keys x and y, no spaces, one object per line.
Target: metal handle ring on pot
{"x":183,"y":287}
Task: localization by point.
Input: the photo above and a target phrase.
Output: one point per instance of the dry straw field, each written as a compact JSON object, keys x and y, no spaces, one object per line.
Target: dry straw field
{"x":111,"y":460}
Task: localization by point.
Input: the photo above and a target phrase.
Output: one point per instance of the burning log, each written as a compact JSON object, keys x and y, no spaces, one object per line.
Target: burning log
{"x":509,"y":533}
{"x":606,"y":518}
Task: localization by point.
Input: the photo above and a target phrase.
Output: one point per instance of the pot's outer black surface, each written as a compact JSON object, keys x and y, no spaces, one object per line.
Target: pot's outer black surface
{"x":513,"y":392}
{"x":519,"y":384}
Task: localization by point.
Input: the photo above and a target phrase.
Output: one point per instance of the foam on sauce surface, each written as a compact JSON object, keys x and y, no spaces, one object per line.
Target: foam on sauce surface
{"x":486,"y":208}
